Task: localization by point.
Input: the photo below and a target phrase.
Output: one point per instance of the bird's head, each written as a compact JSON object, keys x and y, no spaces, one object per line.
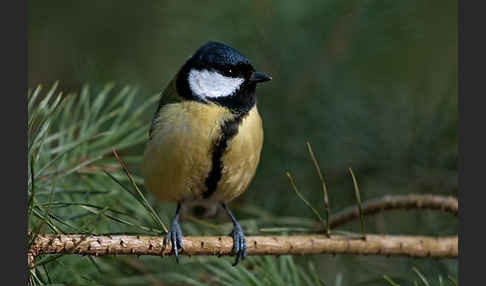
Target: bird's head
{"x":220,"y":74}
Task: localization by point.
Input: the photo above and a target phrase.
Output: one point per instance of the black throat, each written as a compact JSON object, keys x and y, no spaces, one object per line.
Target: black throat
{"x":229,"y":129}
{"x":241,"y":102}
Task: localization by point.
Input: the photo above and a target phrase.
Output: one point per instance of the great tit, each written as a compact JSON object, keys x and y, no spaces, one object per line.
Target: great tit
{"x":206,"y":136}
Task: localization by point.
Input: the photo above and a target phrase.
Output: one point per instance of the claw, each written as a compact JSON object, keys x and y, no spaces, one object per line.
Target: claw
{"x":239,"y":244}
{"x":243,"y":251}
{"x":239,"y":240}
{"x":179,"y":239}
{"x":175,"y":236}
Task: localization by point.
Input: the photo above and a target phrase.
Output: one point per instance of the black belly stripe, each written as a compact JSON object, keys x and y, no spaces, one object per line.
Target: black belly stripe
{"x":229,"y":129}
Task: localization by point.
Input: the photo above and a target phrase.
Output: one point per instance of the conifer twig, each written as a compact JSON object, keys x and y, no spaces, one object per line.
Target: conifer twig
{"x":384,"y":245}
{"x":405,"y":202}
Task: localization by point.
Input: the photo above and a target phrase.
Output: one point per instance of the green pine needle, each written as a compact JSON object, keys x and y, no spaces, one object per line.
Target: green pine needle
{"x":294,"y":187}
{"x":358,"y":199}
{"x":324,"y":189}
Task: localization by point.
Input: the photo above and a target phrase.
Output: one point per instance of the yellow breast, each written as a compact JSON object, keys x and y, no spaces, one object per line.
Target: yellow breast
{"x":241,"y":158}
{"x":177,"y":160}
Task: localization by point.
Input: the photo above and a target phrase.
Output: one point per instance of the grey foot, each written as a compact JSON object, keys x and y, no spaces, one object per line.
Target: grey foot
{"x":175,"y":237}
{"x":239,"y":243}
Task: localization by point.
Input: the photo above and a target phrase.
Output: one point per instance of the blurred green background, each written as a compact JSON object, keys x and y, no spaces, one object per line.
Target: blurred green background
{"x":372,"y":85}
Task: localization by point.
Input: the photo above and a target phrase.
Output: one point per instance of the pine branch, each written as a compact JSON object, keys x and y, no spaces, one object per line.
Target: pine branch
{"x":371,"y":207}
{"x":385,"y":245}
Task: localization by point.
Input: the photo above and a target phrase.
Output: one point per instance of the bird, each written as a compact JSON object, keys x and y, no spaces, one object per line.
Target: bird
{"x":206,"y":137}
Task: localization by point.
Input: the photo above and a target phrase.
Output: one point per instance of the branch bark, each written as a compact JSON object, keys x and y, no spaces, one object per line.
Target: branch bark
{"x":407,"y":202}
{"x":386,"y":245}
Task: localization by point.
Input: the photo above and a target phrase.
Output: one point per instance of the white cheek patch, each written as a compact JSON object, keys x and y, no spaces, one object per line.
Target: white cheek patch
{"x":212,"y":84}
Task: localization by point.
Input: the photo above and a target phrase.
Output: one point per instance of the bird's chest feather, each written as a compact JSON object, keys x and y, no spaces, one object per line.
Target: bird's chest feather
{"x":241,"y":158}
{"x":180,"y":156}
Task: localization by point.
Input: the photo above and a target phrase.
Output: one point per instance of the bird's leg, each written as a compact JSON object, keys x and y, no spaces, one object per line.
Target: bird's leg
{"x":239,"y":240}
{"x":175,"y":234}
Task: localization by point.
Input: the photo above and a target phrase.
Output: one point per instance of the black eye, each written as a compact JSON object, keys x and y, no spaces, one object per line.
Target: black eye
{"x":230,"y":71}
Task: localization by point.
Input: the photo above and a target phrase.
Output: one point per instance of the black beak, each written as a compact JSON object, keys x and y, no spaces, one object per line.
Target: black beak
{"x":258,"y":77}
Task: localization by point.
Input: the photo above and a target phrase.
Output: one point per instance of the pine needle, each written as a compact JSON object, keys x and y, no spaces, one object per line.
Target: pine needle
{"x":389,"y":280}
{"x":452,"y":279}
{"x":134,"y":185}
{"x":324,"y":189}
{"x":421,"y":276}
{"x":294,"y":187}
{"x":358,"y":199}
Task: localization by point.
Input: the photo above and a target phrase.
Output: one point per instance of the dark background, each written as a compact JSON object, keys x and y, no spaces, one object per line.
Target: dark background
{"x":371,"y":84}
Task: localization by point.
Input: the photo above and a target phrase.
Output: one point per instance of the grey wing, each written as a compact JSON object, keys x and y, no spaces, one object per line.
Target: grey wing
{"x":169,"y":95}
